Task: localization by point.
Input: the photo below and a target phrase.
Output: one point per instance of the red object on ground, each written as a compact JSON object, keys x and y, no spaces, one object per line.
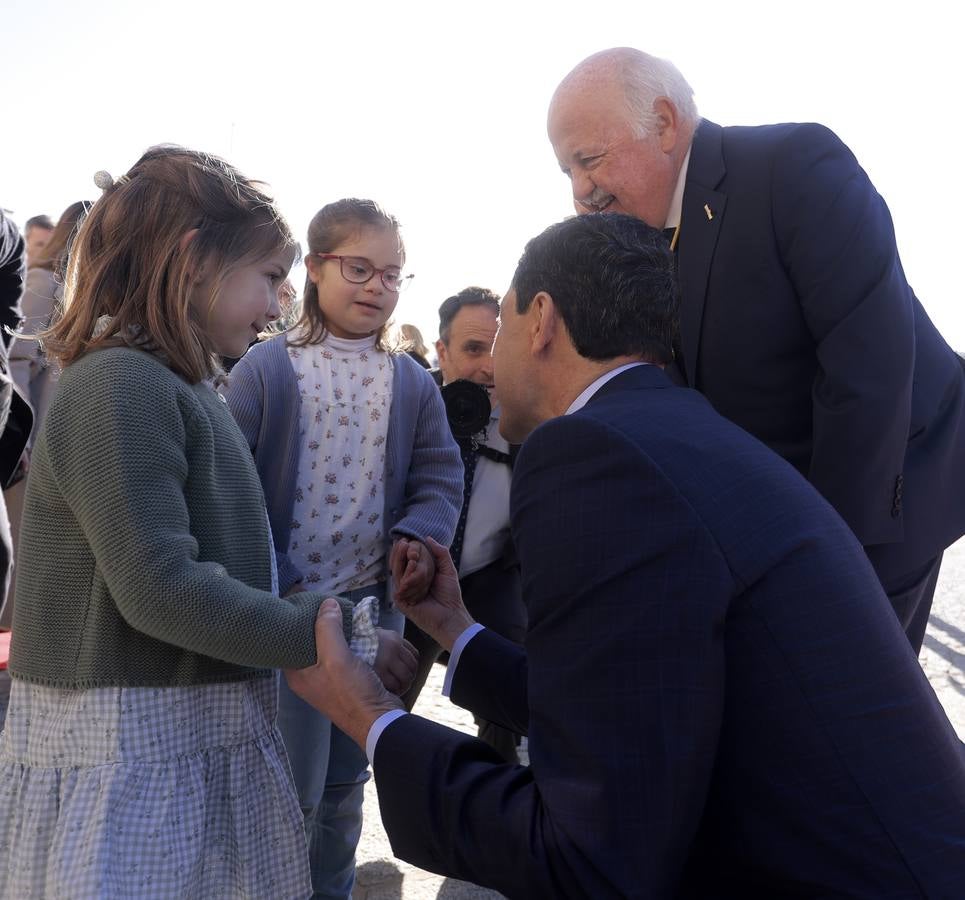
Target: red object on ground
{"x":4,"y":648}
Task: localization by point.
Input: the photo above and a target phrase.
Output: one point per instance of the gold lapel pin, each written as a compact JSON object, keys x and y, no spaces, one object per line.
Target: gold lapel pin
{"x":709,"y":211}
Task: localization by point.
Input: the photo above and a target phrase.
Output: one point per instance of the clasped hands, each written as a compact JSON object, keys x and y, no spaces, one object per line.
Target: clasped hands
{"x":344,"y":688}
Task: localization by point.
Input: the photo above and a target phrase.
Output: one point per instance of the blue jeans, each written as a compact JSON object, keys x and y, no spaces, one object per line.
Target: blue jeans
{"x":330,"y":771}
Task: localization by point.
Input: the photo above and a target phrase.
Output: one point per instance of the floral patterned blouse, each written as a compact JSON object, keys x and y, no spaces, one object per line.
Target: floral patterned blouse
{"x":337,"y":533}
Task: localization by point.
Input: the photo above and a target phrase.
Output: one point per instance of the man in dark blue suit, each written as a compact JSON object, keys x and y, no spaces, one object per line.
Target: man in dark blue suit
{"x":718,"y":697}
{"x":796,"y":320}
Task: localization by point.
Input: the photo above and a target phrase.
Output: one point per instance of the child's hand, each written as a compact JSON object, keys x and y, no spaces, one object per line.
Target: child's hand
{"x":395,"y":661}
{"x":413,"y":569}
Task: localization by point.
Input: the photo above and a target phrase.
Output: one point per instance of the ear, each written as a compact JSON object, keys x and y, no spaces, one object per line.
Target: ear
{"x":668,"y":123}
{"x":196,"y":273}
{"x":544,"y":324}
{"x":441,"y":351}
{"x":186,"y":239}
{"x":313,"y":267}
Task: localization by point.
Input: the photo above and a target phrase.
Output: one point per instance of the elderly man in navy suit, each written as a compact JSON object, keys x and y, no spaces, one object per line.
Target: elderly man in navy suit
{"x":719,"y":699}
{"x":796,"y":320}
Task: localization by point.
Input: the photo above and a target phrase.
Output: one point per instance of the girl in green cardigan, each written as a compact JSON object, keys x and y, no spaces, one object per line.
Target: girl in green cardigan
{"x":140,"y":756}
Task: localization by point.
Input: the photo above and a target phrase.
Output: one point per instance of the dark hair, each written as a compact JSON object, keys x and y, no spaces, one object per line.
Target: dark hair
{"x":54,"y":255}
{"x":470,"y":296}
{"x":611,"y":277}
{"x":38,"y":222}
{"x":128,"y":263}
{"x":330,"y":227}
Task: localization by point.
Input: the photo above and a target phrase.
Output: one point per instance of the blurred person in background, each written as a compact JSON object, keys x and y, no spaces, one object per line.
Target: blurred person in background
{"x":34,"y":376}
{"x":412,"y":342}
{"x":15,"y":413}
{"x":37,"y":232}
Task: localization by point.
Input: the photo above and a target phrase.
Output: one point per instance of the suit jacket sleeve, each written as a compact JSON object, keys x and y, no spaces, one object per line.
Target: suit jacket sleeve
{"x":490,"y":680}
{"x":625,"y":680}
{"x":838,"y":244}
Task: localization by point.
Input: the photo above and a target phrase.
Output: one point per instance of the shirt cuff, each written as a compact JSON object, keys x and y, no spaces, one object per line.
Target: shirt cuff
{"x":378,"y":726}
{"x":455,"y":653}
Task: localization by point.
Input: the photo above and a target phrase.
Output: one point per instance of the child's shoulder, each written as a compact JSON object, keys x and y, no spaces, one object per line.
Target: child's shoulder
{"x":267,"y":353}
{"x":111,"y":363}
{"x":120,"y":375}
{"x":410,"y":370}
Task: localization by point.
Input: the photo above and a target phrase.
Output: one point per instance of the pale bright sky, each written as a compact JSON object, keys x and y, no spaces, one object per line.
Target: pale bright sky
{"x":437,"y":110}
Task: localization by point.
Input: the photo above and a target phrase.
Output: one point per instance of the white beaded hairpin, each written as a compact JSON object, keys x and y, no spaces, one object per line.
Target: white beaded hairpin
{"x":105,"y":181}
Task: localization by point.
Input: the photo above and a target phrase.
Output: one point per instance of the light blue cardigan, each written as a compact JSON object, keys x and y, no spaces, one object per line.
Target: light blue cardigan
{"x":423,"y":470}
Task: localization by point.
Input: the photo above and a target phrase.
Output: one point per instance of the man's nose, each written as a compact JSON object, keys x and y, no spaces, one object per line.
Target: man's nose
{"x":582,"y":186}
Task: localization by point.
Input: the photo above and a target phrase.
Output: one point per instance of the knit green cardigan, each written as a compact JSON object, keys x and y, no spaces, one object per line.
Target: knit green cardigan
{"x":144,"y":548}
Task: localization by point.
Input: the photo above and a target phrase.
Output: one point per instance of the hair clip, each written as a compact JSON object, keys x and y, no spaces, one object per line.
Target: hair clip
{"x":105,"y":181}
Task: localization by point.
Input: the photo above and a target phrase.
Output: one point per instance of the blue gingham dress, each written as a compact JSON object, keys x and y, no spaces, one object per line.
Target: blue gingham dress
{"x":135,"y":792}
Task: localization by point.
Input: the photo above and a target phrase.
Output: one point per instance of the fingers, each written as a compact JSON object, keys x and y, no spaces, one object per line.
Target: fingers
{"x":329,"y":636}
{"x":329,"y":644}
{"x":441,"y":557}
{"x":401,"y":669}
{"x":411,"y":655}
{"x":397,"y":556}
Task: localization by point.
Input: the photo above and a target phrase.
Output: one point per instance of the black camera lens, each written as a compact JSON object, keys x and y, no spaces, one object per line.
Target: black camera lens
{"x":467,"y":407}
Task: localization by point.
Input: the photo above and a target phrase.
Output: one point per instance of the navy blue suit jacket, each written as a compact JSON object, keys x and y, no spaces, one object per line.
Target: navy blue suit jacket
{"x":718,"y":697}
{"x":797,"y":323}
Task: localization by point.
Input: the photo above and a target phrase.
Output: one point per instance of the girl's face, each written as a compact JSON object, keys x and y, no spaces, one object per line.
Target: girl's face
{"x":357,"y":310}
{"x":246,"y":303}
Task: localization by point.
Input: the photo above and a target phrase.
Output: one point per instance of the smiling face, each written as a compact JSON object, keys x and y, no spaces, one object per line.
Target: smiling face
{"x":357,"y":310}
{"x":246,"y":301}
{"x":609,"y":165}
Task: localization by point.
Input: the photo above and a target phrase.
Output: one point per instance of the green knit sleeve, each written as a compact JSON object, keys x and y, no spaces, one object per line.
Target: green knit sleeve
{"x":116,"y":443}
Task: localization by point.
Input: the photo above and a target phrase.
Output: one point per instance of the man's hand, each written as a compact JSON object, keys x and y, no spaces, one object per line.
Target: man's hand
{"x":441,"y":613}
{"x":412,"y":569}
{"x":340,"y":685}
{"x":396,"y":661}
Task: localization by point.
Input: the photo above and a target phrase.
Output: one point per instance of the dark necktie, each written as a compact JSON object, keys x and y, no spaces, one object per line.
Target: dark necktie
{"x":469,"y":451}
{"x":680,"y":375}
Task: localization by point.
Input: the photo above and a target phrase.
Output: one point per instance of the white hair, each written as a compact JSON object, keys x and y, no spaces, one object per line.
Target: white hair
{"x":644,"y":78}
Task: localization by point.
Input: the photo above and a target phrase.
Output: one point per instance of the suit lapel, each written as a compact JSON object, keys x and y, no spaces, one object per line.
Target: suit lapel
{"x":699,"y":230}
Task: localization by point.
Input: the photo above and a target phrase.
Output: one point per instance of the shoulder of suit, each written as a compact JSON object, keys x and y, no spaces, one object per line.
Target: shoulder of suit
{"x":779,"y":133}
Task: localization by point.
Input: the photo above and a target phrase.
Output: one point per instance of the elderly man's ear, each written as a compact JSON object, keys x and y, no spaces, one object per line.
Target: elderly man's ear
{"x":667,"y":130}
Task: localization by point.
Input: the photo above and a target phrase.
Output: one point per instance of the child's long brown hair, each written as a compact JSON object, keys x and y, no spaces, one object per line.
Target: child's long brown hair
{"x":135,"y":260}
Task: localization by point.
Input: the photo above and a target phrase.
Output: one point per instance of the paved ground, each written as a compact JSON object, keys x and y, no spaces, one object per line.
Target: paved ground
{"x":382,"y":877}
